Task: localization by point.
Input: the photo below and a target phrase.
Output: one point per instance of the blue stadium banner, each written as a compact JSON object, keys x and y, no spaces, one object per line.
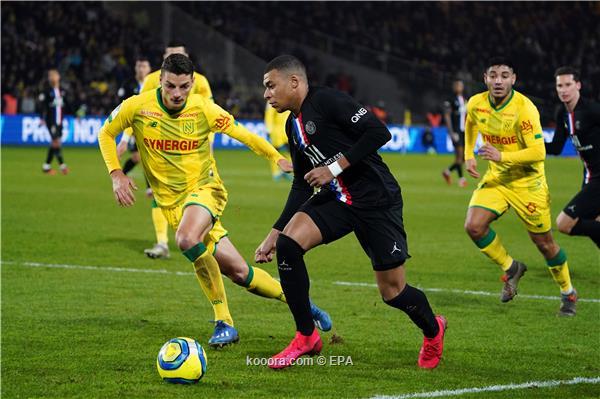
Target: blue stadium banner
{"x":28,"y":130}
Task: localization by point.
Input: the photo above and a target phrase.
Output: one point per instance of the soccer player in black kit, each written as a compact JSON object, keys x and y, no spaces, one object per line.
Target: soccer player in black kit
{"x":455,"y":116}
{"x":52,"y":110}
{"x":333,"y":144}
{"x":579,"y":120}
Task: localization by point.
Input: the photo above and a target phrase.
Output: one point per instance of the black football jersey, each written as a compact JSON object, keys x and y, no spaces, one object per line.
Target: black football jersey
{"x":331,"y":124}
{"x":583,"y":127}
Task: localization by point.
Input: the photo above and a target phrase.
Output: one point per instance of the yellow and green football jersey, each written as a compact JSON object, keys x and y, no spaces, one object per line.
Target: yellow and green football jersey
{"x":173,"y":146}
{"x":514,"y":128}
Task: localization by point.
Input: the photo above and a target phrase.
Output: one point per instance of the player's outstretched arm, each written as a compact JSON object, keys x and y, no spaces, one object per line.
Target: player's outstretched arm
{"x":119,"y":120}
{"x":223,"y":122}
{"x":358,"y":121}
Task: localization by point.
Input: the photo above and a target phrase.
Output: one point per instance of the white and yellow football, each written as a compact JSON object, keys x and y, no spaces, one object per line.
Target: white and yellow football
{"x":181,"y":360}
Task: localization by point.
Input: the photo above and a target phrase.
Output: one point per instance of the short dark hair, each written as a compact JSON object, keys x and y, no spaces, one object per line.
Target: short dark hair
{"x":568,"y":70}
{"x":499,"y":60}
{"x":178,"y":64}
{"x":286,"y":62}
{"x":177,"y":43}
{"x":142,"y":58}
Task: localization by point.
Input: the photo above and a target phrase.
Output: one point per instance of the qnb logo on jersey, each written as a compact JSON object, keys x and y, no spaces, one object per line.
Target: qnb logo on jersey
{"x":356,"y":117}
{"x":172,"y":145}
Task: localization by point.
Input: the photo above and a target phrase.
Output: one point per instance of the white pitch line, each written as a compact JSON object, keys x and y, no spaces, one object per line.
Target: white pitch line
{"x":494,"y":388}
{"x":469,"y":292}
{"x":346,"y":283}
{"x":99,"y":268}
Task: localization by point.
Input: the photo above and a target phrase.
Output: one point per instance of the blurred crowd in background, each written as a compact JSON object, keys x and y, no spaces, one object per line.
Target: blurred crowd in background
{"x":95,"y":52}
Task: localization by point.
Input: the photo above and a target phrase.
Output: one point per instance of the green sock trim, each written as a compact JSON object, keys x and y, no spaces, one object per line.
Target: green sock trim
{"x":154,"y":204}
{"x":250,"y":276}
{"x":486,"y":240}
{"x":559,"y":259}
{"x":194,"y":252}
{"x":495,"y":212}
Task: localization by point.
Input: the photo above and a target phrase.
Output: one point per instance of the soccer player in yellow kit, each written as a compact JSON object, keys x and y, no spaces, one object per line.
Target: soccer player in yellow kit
{"x":510,"y":127}
{"x":275,"y":126}
{"x":152,"y":82}
{"x":171,"y":128}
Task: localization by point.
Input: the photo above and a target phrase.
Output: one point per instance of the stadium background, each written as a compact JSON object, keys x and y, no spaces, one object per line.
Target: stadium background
{"x":84,"y":311}
{"x":398,"y":56}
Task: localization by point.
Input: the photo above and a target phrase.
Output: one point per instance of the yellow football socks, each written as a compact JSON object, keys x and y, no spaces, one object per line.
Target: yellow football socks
{"x":210,"y":279}
{"x":261,"y":283}
{"x":492,"y":247}
{"x":160,"y":224}
{"x":560,"y":271}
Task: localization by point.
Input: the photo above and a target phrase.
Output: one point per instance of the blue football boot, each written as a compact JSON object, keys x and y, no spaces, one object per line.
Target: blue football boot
{"x":224,"y":334}
{"x":320,"y":317}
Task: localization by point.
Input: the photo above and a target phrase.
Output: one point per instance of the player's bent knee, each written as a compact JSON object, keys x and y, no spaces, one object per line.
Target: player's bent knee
{"x":185,"y":241}
{"x":475,"y":230}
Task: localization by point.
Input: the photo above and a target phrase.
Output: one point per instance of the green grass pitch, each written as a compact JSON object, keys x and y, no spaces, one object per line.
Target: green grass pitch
{"x":94,"y":332}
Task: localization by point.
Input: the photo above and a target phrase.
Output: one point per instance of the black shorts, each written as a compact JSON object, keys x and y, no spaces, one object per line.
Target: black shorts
{"x":586,"y":203}
{"x":380,"y":232}
{"x":461,"y":140}
{"x":55,"y":131}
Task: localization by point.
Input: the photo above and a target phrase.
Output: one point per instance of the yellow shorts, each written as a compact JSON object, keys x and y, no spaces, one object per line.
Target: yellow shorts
{"x":532,"y":206}
{"x":213,"y":198}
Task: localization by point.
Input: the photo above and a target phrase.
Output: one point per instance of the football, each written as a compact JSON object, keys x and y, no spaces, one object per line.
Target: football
{"x":181,"y":360}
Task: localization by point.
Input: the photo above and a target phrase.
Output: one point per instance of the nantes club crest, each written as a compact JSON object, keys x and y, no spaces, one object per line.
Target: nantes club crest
{"x":188,"y":127}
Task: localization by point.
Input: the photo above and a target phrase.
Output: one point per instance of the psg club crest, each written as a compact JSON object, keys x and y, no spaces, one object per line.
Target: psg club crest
{"x":310,"y":127}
